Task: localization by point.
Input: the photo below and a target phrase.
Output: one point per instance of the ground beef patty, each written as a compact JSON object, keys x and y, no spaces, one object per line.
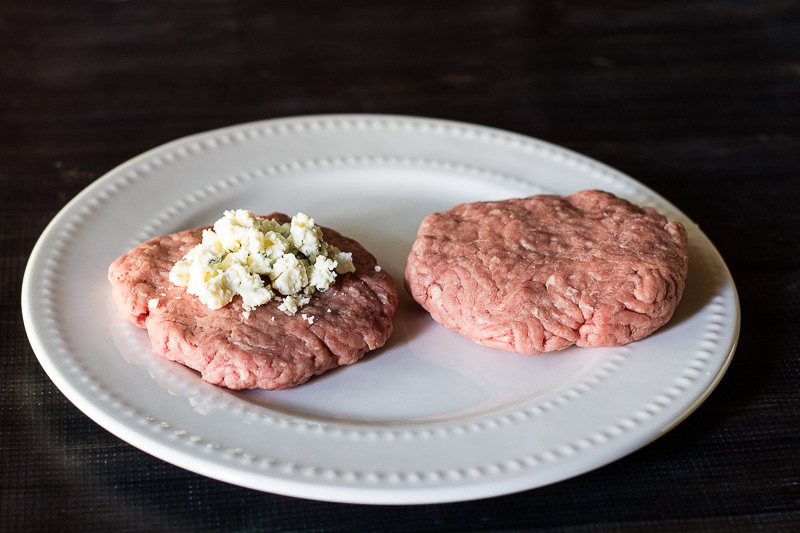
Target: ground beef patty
{"x":540,"y":274}
{"x":269,"y":349}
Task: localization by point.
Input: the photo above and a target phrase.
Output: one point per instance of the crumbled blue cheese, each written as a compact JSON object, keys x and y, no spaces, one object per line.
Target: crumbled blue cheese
{"x":260,"y":259}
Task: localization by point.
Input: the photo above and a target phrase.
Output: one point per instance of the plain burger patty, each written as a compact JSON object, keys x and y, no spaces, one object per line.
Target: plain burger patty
{"x":543,"y":273}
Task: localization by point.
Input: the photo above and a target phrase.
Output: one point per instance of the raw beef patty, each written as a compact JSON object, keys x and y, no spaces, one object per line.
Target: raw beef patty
{"x":270,"y":349}
{"x":540,"y":274}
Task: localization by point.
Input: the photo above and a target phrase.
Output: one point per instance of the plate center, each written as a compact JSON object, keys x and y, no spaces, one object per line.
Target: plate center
{"x":429,"y":374}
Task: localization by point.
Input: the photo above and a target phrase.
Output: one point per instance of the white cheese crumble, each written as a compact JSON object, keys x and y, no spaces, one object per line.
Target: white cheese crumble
{"x":260,"y":259}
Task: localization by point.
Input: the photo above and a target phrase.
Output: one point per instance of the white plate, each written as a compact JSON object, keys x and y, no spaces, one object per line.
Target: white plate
{"x":429,"y":418}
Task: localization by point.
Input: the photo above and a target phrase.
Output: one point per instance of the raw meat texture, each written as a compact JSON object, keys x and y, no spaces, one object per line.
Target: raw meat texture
{"x":543,"y":273}
{"x":269,"y":349}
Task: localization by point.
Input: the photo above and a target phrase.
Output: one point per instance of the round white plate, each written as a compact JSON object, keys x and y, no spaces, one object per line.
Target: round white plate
{"x":431,"y":417}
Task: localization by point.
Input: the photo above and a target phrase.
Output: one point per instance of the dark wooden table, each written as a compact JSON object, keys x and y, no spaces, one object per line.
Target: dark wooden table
{"x":699,"y":100}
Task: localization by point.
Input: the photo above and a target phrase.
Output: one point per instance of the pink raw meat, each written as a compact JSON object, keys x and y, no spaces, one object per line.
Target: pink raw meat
{"x":270,"y":349}
{"x":543,"y":273}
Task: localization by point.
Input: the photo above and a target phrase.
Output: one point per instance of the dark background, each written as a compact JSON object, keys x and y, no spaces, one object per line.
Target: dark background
{"x":700,"y":100}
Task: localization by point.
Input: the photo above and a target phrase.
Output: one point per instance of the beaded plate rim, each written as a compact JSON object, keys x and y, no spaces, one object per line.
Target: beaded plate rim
{"x":178,"y":442}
